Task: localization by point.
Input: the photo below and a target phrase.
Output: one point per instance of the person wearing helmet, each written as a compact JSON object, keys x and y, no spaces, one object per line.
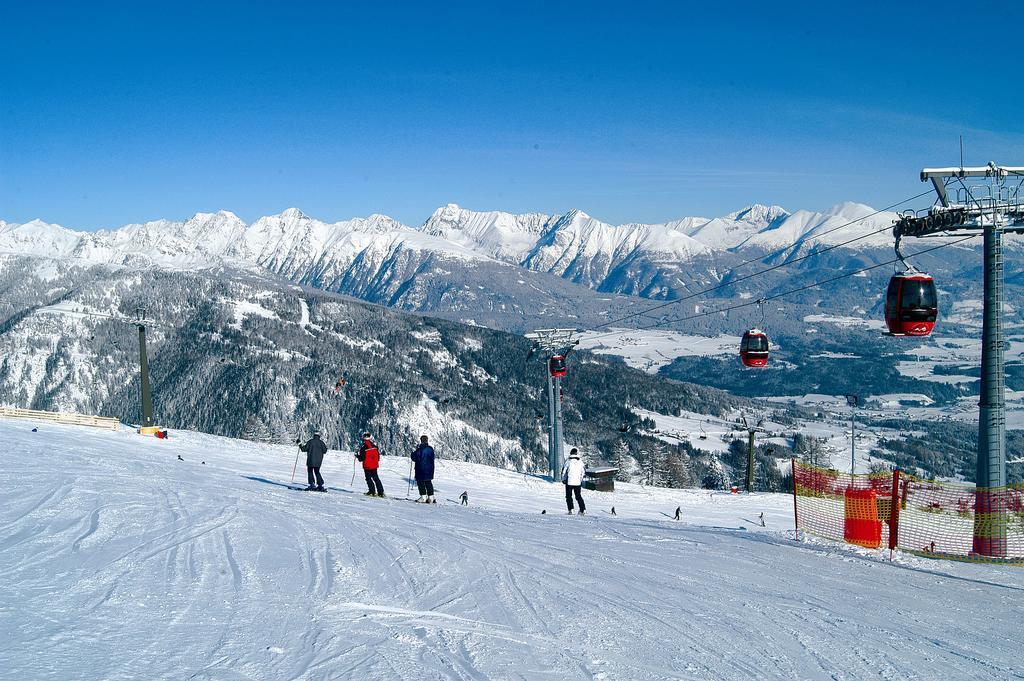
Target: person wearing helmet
{"x":315,"y":450}
{"x":572,"y":477}
{"x":369,"y":455}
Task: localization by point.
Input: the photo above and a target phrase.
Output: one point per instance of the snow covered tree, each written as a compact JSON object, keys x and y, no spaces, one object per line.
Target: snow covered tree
{"x":624,"y":461}
{"x":677,"y":469}
{"x":256,"y":431}
{"x":811,"y":450}
{"x":657,"y":466}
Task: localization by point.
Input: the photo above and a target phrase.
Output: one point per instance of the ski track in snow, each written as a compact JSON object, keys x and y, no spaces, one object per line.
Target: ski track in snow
{"x":120,"y":562}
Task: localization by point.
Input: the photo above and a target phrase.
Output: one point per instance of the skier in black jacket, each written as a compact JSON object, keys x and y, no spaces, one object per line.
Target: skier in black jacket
{"x":315,"y":450}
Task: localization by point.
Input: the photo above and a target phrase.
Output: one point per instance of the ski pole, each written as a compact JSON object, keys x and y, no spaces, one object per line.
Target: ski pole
{"x":353,"y":483}
{"x":409,"y":490}
{"x":296,"y":465}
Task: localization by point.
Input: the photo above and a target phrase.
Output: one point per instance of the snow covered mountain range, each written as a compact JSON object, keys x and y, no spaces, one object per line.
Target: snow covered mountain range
{"x":548,"y":243}
{"x":544,"y":243}
{"x":211,"y":280}
{"x":379,"y":259}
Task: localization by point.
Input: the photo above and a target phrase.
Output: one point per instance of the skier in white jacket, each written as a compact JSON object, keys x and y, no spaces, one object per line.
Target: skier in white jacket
{"x":572,"y":476}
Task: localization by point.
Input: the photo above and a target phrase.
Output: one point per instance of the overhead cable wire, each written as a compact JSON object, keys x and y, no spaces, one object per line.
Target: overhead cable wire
{"x":766,"y":270}
{"x":829,"y":231}
{"x":125,"y":320}
{"x":775,"y":296}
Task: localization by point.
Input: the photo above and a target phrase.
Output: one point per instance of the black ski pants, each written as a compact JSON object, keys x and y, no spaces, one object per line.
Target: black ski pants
{"x":314,"y":471}
{"x":571,"y":490}
{"x":373,"y":482}
{"x":426,"y":487}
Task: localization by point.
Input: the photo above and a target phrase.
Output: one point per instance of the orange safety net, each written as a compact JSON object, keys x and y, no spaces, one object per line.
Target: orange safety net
{"x":860,"y":523}
{"x":899,"y":510}
{"x":843,"y":507}
{"x":950,"y":520}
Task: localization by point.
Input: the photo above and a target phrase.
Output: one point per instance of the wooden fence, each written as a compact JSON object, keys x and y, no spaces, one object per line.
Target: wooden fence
{"x":58,"y":417}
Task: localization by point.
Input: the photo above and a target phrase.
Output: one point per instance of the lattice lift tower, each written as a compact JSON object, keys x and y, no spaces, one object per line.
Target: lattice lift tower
{"x":987,"y":200}
{"x":553,"y":346}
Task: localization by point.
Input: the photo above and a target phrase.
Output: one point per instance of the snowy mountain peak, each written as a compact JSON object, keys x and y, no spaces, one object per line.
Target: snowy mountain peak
{"x":292,"y":214}
{"x":220,"y":219}
{"x":759,"y":214}
{"x":496,"y":234}
{"x":839,"y":224}
{"x":220,"y":215}
{"x":374,"y":224}
{"x":448,"y":212}
{"x":850,"y":209}
{"x":36,"y":223}
{"x":36,"y":237}
{"x":576,"y":215}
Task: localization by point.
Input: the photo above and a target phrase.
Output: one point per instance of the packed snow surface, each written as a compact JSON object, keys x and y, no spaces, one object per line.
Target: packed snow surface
{"x":120,"y":561}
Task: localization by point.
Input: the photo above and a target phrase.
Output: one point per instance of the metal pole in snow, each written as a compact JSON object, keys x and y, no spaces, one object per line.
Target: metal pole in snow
{"x":990,"y":511}
{"x":853,"y":439}
{"x":559,"y":458}
{"x":894,"y":512}
{"x":147,"y":400}
{"x":551,"y":426}
{"x":852,"y":400}
{"x":796,"y":518}
{"x":750,"y":461}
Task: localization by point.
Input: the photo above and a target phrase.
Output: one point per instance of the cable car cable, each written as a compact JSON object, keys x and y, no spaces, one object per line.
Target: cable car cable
{"x":785,"y":293}
{"x":768,"y":269}
{"x":778,"y":295}
{"x":801,"y":288}
{"x":752,"y":275}
{"x":834,"y":229}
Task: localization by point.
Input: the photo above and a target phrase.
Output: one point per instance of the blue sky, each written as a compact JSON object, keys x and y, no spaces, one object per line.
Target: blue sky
{"x":114,"y":113}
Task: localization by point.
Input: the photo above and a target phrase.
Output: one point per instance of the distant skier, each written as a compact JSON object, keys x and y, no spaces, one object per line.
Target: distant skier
{"x":369,"y":455}
{"x":679,"y":513}
{"x":572,"y":476}
{"x":423,"y":457}
{"x":315,"y":450}
{"x":464,"y":498}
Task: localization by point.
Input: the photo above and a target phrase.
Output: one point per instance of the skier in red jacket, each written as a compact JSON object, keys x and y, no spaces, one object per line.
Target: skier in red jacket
{"x":370,"y":456}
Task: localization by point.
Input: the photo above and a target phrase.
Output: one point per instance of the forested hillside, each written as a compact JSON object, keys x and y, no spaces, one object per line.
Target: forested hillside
{"x":235,"y":354}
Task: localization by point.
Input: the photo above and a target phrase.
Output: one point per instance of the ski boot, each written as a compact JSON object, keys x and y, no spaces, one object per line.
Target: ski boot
{"x":321,"y":488}
{"x":369,"y":494}
{"x":421,"y":500}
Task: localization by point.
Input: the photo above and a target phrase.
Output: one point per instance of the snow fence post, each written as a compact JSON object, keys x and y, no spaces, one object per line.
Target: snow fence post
{"x":894,"y":513}
{"x":796,"y":521}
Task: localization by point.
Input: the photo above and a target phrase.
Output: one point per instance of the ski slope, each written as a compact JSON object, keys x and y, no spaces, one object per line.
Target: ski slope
{"x":118,"y":561}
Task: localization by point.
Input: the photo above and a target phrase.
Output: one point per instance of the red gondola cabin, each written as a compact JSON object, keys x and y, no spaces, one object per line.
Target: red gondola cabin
{"x":911,"y":304}
{"x":754,"y":348}
{"x":557,"y":367}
